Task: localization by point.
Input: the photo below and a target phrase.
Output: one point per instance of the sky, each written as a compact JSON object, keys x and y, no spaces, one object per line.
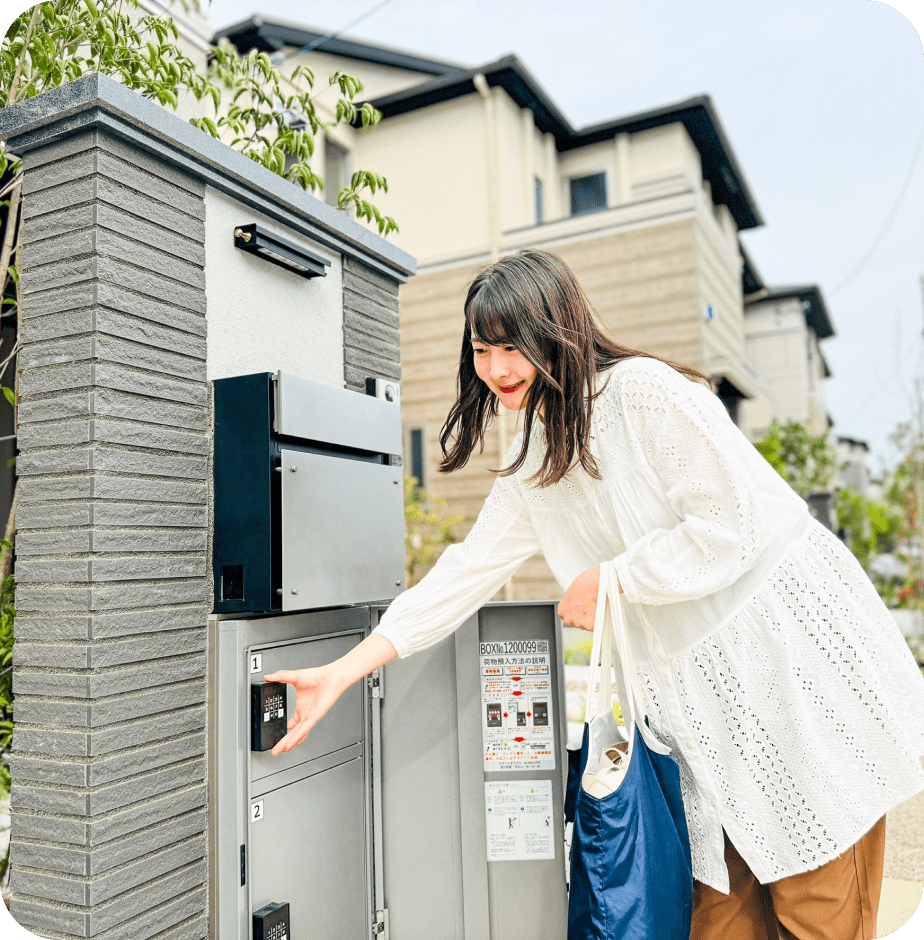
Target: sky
{"x":822,"y":100}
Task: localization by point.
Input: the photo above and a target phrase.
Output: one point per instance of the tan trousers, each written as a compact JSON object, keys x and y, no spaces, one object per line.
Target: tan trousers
{"x":838,"y":901}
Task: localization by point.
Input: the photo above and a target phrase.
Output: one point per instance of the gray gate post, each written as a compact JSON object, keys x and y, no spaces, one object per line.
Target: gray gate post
{"x":113,"y":557}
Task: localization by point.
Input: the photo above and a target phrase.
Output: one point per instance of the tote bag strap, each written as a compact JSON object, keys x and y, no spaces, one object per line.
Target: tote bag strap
{"x":610,"y":631}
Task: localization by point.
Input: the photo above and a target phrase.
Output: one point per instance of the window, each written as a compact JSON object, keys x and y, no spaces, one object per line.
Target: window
{"x":336,"y":170}
{"x":538,"y":190}
{"x":588,"y":193}
{"x":417,"y":455}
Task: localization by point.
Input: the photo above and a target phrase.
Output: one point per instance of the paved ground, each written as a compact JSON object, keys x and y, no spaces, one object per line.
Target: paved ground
{"x":904,"y":865}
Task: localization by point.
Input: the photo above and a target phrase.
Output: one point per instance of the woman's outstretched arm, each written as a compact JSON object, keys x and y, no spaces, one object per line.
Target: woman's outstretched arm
{"x":317,"y":689}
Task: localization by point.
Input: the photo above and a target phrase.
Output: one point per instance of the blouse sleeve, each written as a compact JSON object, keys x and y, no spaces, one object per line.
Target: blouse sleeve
{"x":695,"y":450}
{"x":466,"y":575}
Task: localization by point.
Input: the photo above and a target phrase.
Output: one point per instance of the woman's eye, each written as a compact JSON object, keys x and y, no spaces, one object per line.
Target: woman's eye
{"x":510,"y":349}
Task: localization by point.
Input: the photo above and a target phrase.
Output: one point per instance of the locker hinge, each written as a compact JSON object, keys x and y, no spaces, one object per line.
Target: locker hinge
{"x":380,"y":925}
{"x":243,"y":865}
{"x":376,"y":685}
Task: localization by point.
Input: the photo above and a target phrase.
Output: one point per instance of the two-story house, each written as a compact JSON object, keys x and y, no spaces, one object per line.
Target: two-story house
{"x":646,"y":209}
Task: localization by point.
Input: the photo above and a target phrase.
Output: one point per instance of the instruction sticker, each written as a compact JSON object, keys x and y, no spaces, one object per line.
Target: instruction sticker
{"x":517,"y":725}
{"x":518,"y":820}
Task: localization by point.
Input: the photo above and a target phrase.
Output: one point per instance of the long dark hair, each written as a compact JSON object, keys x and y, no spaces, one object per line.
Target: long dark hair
{"x":533,"y":301}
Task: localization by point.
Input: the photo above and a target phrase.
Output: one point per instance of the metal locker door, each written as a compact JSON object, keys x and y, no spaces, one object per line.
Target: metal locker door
{"x":309,"y":849}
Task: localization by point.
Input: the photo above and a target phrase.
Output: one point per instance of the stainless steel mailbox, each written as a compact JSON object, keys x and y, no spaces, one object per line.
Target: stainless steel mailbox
{"x":309,"y":496}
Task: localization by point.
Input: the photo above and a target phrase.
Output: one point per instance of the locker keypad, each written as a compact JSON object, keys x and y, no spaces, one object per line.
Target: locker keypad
{"x":271,"y":922}
{"x":268,"y":717}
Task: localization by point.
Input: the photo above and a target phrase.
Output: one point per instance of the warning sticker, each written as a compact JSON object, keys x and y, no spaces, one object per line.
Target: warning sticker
{"x":518,"y":729}
{"x":518,"y":820}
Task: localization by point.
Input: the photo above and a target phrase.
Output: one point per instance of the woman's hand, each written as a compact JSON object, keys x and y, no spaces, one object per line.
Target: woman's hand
{"x":578,"y":608}
{"x":316,"y":690}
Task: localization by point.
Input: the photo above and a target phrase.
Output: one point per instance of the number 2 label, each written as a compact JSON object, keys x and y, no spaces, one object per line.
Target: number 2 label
{"x":256,"y":811}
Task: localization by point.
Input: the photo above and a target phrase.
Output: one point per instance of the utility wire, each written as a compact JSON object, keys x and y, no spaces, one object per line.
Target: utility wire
{"x":888,"y":222}
{"x":314,"y":44}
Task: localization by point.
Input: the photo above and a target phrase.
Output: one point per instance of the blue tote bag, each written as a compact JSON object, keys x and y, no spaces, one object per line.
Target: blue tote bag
{"x":631,"y":874}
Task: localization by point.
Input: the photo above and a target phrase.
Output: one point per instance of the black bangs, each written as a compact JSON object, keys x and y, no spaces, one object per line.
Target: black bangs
{"x":494,"y":317}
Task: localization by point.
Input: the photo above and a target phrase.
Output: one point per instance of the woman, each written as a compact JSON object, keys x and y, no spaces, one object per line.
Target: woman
{"x":787,"y":694}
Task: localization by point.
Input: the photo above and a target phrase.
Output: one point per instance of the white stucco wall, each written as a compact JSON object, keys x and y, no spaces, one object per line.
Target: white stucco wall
{"x":261,"y":317}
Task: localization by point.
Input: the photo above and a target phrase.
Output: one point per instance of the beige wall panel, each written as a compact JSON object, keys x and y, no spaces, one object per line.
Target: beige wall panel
{"x":441,"y":205}
{"x":511,"y":162}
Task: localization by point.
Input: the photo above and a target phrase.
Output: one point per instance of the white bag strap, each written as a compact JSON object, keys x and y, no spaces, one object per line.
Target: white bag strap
{"x":630,"y":692}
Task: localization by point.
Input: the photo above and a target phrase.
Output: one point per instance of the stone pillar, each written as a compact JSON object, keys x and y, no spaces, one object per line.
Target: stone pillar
{"x":112,"y":548}
{"x":110,"y":783}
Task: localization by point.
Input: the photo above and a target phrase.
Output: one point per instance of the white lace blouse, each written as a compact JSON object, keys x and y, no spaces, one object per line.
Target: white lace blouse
{"x":793,"y":706}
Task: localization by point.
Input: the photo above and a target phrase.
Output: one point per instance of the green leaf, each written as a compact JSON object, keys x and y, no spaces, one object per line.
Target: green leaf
{"x":9,"y":395}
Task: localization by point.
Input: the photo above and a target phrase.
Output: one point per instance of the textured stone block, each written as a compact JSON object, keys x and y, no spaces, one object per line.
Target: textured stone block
{"x":113,"y":403}
{"x":46,"y":201}
{"x":32,"y":436}
{"x":55,"y":379}
{"x":49,"y":543}
{"x":140,"y":817}
{"x":47,"y":517}
{"x":185,"y":911}
{"x":104,"y":713}
{"x":70,"y":245}
{"x":114,"y":297}
{"x":385,"y":350}
{"x":38,"y":228}
{"x":33,"y":627}
{"x":54,"y":572}
{"x":133,"y":594}
{"x":150,"y":621}
{"x":129,"y":175}
{"x":373,"y":364}
{"x":101,"y":486}
{"x":68,"y":801}
{"x":62,"y":273}
{"x":150,"y":164}
{"x":368,"y":307}
{"x":147,"y":514}
{"x":181,"y":658}
{"x":77,"y":166}
{"x":69,"y":146}
{"x":142,"y":356}
{"x":103,"y":888}
{"x":59,"y":300}
{"x":385,"y":298}
{"x":153,"y":283}
{"x":190,"y":248}
{"x":80,"y":922}
{"x":81,"y":861}
{"x":62,"y":352}
{"x":61,"y":600}
{"x":358,"y":323}
{"x":146,"y":540}
{"x":147,"y":257}
{"x":138,"y":330}
{"x":111,"y":193}
{"x":113,"y":375}
{"x":353,"y":269}
{"x":114,"y":431}
{"x":74,"y":599}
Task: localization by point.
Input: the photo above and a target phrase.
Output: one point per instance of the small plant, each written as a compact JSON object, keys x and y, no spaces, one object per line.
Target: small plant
{"x":427,"y":532}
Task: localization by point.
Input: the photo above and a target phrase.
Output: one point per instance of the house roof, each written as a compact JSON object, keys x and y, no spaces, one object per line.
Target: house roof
{"x":816,"y":312}
{"x":853,"y":442}
{"x":698,"y":115}
{"x":449,"y":80}
{"x":271,"y":35}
